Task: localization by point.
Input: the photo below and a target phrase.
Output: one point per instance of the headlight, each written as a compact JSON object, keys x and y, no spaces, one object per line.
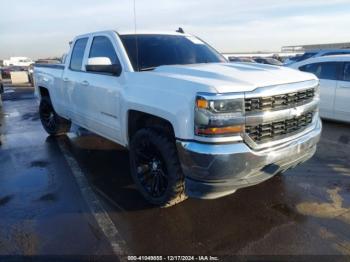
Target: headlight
{"x":217,"y":115}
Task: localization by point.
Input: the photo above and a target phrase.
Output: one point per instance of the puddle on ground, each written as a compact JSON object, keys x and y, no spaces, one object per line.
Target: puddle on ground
{"x":332,"y":210}
{"x":93,"y":142}
{"x":34,"y":179}
{"x":4,"y":200}
{"x":34,"y":116}
{"x":287,"y":211}
{"x":39,"y":163}
{"x":12,"y":114}
{"x":339,"y":244}
{"x":341,"y":169}
{"x":48,"y":197}
{"x":344,"y":139}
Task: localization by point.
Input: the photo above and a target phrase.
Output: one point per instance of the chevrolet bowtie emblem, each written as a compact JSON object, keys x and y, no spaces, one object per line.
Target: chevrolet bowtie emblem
{"x":296,"y":111}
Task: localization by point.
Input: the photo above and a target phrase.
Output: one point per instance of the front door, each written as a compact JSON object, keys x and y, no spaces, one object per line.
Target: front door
{"x":101,"y":92}
{"x":342,"y":97}
{"x":327,"y":72}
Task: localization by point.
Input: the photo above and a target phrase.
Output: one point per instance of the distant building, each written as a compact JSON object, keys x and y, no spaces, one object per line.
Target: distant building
{"x":303,"y":48}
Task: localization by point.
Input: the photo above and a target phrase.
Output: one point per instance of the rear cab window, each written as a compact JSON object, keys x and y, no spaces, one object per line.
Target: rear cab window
{"x":77,"y":56}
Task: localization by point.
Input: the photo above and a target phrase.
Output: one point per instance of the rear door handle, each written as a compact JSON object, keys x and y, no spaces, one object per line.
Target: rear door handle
{"x":85,"y":83}
{"x":65,"y":79}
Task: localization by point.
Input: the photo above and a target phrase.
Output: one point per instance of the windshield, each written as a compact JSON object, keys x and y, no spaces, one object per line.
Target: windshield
{"x":158,"y":50}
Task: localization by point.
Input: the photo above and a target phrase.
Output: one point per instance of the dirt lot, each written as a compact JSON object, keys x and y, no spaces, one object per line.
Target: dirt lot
{"x":73,"y":195}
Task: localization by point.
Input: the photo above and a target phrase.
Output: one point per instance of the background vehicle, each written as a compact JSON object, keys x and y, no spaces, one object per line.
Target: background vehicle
{"x":18,"y":61}
{"x":241,"y":59}
{"x":267,"y":60}
{"x":194,"y":124}
{"x":334,"y":75}
{"x":1,"y":91}
{"x":6,"y":71}
{"x":316,"y":53}
{"x":1,"y":86}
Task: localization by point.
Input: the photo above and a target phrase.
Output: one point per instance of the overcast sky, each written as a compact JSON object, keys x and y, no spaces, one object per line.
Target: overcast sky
{"x":42,"y":28}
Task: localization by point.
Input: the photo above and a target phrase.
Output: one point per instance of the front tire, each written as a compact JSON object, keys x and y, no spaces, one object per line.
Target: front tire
{"x":51,"y":121}
{"x":155,"y":168}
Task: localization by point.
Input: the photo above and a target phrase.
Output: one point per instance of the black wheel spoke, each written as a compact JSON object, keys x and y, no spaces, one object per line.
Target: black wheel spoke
{"x":145,"y":178}
{"x":162,"y":182}
{"x":143,"y":156}
{"x":154,"y":186}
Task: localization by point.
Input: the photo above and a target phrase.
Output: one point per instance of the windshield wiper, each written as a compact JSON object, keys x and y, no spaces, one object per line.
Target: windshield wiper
{"x":148,"y":68}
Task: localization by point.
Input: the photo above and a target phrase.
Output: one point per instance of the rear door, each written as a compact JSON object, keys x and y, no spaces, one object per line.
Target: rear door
{"x":327,"y":72}
{"x":342,"y":97}
{"x":72,"y":77}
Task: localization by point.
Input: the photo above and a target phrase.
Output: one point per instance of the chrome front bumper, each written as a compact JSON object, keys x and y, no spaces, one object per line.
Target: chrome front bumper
{"x":215,"y":170}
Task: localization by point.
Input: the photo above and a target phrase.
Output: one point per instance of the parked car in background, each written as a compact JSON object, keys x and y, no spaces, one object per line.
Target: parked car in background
{"x":241,"y":59}
{"x":6,"y":71}
{"x":267,"y":60}
{"x":334,"y":75}
{"x":40,"y":61}
{"x":1,"y":92}
{"x":18,"y":61}
{"x":316,"y":53}
{"x":1,"y":86}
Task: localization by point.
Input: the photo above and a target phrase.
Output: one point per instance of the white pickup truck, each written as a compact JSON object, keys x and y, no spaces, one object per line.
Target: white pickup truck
{"x":195,"y":125}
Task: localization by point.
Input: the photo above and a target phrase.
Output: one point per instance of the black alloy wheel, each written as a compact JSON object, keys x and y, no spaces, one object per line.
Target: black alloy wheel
{"x":155,"y":168}
{"x":51,"y":121}
{"x":151,"y":170}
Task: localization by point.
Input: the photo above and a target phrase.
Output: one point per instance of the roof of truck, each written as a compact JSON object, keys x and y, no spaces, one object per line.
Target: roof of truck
{"x":141,"y":32}
{"x":152,"y":33}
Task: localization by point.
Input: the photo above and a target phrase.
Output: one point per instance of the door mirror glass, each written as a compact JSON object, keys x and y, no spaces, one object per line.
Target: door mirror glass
{"x":99,"y":61}
{"x":103,"y":65}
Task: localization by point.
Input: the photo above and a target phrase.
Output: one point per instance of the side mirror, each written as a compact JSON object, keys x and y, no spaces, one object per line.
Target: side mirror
{"x":103,"y":65}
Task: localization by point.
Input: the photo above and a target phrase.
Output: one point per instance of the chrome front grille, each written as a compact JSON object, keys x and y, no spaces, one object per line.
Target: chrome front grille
{"x":279,"y":102}
{"x":275,"y":130}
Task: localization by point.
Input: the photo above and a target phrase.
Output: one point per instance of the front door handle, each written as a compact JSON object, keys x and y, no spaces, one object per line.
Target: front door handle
{"x":85,"y":83}
{"x":65,"y":79}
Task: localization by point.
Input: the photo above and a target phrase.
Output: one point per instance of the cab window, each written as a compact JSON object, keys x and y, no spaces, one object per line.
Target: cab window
{"x":78,"y":54}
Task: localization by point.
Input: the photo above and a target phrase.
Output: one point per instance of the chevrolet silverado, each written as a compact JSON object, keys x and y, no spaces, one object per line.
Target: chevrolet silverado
{"x":195,"y":125}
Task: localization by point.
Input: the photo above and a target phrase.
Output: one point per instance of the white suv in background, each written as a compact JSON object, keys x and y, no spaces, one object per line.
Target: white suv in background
{"x":316,"y":53}
{"x":334,"y":75}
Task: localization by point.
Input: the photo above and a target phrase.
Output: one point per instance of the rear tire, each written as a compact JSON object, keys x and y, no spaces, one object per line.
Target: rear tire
{"x":155,"y":168}
{"x":53,"y":124}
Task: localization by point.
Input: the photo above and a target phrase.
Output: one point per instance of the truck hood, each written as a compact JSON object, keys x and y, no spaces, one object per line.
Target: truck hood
{"x":234,"y":77}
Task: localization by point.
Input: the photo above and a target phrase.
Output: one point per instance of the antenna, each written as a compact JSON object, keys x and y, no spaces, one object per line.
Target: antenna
{"x":180,"y":30}
{"x":136,"y":40}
